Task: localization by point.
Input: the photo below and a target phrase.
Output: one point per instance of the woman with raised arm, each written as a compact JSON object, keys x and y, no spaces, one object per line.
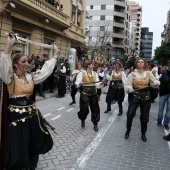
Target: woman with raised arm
{"x":27,"y":129}
{"x":137,"y":85}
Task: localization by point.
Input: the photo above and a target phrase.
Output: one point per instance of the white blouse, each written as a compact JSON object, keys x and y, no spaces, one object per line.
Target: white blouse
{"x":128,"y":84}
{"x":80,"y":77}
{"x":6,"y":70}
{"x":109,"y":77}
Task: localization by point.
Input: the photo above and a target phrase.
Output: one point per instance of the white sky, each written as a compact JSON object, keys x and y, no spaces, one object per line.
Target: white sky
{"x":154,"y":16}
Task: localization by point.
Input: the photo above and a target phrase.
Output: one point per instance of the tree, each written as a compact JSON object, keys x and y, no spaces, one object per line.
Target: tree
{"x":162,"y":53}
{"x":99,"y":39}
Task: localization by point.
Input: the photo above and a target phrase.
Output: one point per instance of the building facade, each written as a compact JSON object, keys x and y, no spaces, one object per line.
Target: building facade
{"x":45,"y":22}
{"x":146,"y":43}
{"x":135,"y":27}
{"x":107,"y":28}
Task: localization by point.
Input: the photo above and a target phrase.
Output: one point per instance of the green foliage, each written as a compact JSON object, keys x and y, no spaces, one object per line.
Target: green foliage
{"x":162,"y":53}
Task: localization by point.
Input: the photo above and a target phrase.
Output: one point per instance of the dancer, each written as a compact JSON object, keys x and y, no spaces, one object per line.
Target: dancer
{"x":27,"y":129}
{"x":73,"y":77}
{"x":88,"y":80}
{"x":116,"y":91}
{"x":137,"y":87}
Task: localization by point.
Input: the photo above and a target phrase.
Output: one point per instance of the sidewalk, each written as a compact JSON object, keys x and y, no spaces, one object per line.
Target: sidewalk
{"x":110,"y":151}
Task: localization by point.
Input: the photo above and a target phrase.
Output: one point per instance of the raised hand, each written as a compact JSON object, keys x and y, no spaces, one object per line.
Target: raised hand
{"x":10,"y":42}
{"x":56,"y":50}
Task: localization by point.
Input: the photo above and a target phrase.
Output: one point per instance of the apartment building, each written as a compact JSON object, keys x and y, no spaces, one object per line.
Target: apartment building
{"x":45,"y":22}
{"x":166,"y":32}
{"x":135,"y":26}
{"x":107,"y":28}
{"x":146,"y":43}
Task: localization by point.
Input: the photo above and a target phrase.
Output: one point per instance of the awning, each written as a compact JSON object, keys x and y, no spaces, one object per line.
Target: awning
{"x":79,"y":6}
{"x":74,"y":2}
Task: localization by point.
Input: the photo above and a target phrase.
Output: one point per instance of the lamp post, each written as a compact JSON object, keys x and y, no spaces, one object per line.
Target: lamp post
{"x":108,"y":49}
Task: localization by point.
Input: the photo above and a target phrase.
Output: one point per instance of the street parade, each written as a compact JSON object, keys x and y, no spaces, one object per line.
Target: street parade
{"x":71,"y":99}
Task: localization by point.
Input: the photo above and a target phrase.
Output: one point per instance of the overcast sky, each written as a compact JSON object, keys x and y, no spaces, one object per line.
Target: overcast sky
{"x":154,"y":16}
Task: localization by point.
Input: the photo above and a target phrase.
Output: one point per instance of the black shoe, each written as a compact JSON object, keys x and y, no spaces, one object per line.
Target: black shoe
{"x":166,"y":127}
{"x":167,"y":138}
{"x":143,"y":137}
{"x":82,"y":123}
{"x":159,"y":124}
{"x":72,"y":103}
{"x":127,"y":134}
{"x":95,"y":128}
{"x":42,"y":95}
{"x":59,"y":96}
{"x":107,"y":110}
{"x":119,"y":114}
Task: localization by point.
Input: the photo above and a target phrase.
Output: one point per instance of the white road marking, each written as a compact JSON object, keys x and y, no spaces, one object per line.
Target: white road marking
{"x":88,"y":152}
{"x":47,"y":115}
{"x":61,"y":108}
{"x":56,"y":117}
{"x":70,"y":109}
{"x":166,"y":133}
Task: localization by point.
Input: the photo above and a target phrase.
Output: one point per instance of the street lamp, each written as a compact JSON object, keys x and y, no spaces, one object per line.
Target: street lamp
{"x":108,"y":49}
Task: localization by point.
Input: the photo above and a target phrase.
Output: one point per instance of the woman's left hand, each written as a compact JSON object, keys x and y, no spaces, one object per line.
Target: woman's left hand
{"x":56,"y":50}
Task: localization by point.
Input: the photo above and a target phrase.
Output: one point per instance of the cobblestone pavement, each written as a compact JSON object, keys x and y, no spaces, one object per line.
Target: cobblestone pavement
{"x":76,"y":148}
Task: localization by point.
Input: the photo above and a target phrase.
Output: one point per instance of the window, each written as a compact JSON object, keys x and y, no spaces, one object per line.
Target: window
{"x":91,"y":6}
{"x":79,"y":14}
{"x":90,"y":28}
{"x":102,"y":28}
{"x":103,"y":7}
{"x":102,"y":17}
{"x":78,"y":17}
{"x":90,"y":38}
{"x":91,"y":17}
{"x":73,"y":13}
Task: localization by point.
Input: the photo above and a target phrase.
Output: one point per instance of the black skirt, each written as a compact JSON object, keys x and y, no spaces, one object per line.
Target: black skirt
{"x":115,"y":94}
{"x":27,"y":138}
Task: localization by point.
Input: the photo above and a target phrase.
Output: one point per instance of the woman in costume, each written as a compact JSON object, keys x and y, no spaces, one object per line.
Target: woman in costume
{"x":116,"y":91}
{"x":73,"y":77}
{"x":27,"y":129}
{"x":137,"y":87}
{"x":89,"y":81}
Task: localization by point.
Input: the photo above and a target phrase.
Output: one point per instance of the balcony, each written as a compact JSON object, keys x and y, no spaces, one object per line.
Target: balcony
{"x":39,"y":10}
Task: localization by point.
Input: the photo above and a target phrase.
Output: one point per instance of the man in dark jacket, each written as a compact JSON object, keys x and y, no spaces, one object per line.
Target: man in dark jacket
{"x":164,"y":92}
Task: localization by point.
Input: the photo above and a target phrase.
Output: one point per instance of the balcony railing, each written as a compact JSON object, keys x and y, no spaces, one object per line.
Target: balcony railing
{"x":76,"y":28}
{"x":44,"y":9}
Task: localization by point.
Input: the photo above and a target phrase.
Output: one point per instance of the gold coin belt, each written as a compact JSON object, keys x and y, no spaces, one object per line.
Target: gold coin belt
{"x":14,"y":123}
{"x":22,"y":109}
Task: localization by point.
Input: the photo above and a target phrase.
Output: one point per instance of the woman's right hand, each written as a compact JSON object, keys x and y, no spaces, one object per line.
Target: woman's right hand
{"x":10,"y":39}
{"x":10,"y":43}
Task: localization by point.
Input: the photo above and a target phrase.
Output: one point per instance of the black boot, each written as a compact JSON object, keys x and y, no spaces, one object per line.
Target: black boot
{"x":95,"y":128}
{"x":143,"y":137}
{"x":72,"y":103}
{"x":82,"y":123}
{"x":120,"y":109}
{"x":167,"y":138}
{"x":127,"y":134}
{"x":108,"y":108}
{"x":143,"y":131}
